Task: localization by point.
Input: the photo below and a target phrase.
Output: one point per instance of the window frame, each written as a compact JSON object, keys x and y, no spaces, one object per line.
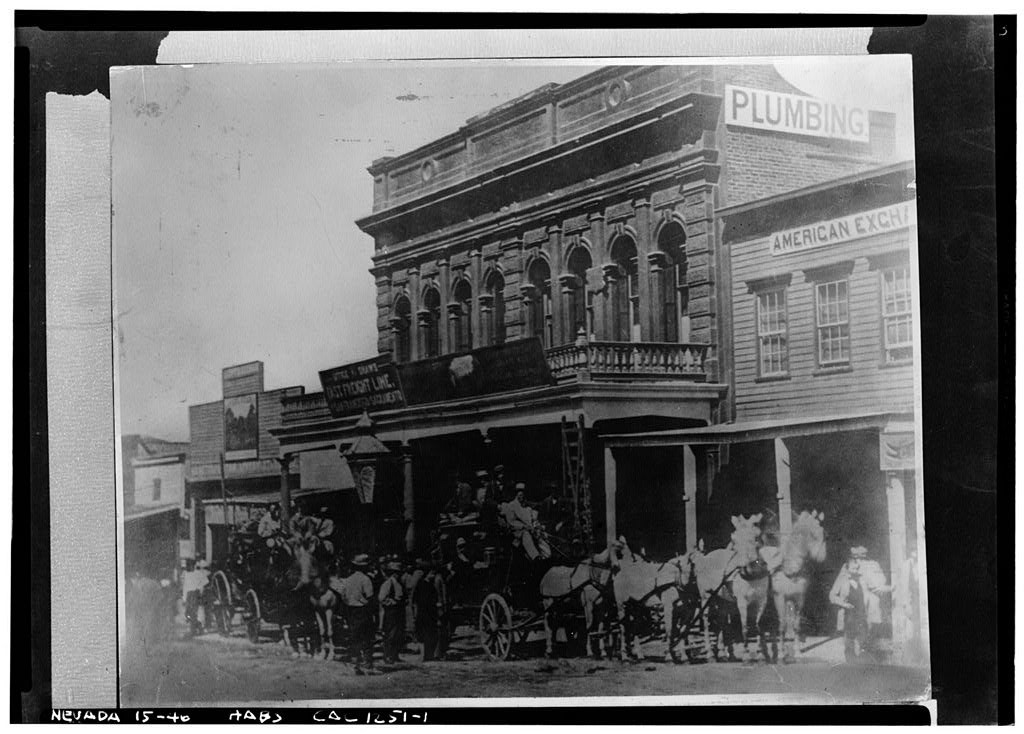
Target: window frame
{"x":763,"y":286}
{"x":907,"y":314}
{"x":760,"y":337}
{"x":834,"y":364}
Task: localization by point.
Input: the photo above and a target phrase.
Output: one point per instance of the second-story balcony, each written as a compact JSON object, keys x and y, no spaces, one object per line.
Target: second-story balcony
{"x":598,"y":361}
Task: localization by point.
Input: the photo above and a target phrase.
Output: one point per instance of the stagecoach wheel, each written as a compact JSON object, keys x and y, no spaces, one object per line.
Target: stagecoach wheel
{"x":496,"y":627}
{"x":252,"y":616}
{"x":222,"y":607}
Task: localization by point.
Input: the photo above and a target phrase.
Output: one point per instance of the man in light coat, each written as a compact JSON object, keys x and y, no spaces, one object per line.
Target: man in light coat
{"x":522,"y":521}
{"x":856,"y":592}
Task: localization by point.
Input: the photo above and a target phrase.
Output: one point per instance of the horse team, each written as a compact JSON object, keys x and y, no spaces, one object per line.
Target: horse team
{"x":621,"y":593}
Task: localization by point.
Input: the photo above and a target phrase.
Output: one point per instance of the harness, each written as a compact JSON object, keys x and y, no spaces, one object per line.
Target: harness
{"x":658,"y":589}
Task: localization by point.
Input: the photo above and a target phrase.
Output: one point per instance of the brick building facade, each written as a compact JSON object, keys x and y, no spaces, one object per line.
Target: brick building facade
{"x":585,"y":215}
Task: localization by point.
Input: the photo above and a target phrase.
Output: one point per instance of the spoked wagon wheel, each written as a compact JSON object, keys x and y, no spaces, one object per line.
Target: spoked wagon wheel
{"x":252,"y":616}
{"x":496,"y":627}
{"x":223,"y":606}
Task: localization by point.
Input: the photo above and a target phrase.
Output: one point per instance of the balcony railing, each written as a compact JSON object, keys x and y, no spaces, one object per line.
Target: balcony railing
{"x":587,"y":360}
{"x":624,"y":360}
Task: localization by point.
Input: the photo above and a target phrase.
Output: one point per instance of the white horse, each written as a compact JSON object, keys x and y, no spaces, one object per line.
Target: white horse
{"x":587,"y":583}
{"x":737,"y":574}
{"x":647,"y":585}
{"x":789,"y":569}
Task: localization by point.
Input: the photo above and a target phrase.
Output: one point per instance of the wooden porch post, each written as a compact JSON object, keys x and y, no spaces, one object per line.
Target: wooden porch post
{"x":286,"y":491}
{"x":782,"y":478}
{"x":408,"y":498}
{"x":690,"y":496}
{"x":895,"y":497}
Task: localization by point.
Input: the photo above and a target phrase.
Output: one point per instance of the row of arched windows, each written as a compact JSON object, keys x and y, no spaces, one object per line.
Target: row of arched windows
{"x":622,"y":322}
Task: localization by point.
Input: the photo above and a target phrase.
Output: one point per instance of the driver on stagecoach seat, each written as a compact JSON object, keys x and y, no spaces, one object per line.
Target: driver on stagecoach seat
{"x":270,"y":524}
{"x":321,"y":528}
{"x":522,"y":520}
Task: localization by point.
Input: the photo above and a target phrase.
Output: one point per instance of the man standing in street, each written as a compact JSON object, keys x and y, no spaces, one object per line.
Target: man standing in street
{"x":357,"y":596}
{"x":444,"y":631}
{"x":855,"y":592}
{"x":426,"y":607}
{"x":392,"y":602}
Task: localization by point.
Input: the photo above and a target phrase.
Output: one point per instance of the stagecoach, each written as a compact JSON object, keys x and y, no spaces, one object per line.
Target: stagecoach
{"x":253,"y":586}
{"x":501,"y":596}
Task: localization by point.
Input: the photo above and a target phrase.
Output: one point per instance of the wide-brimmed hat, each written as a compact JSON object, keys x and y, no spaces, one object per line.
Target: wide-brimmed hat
{"x":858,"y":551}
{"x":361,"y":559}
{"x":460,"y":542}
{"x":395,"y":566}
{"x":482,"y":473}
{"x":499,"y":468}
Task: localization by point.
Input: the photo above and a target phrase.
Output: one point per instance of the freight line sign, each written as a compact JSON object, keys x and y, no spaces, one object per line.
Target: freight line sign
{"x":791,"y":113}
{"x":370,"y":385}
{"x":843,"y":229}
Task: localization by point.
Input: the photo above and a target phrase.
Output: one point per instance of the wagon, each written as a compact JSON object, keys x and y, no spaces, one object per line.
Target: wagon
{"x":251,"y":588}
{"x":501,"y":597}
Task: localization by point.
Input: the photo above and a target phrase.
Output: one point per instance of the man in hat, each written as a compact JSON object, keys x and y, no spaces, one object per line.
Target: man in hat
{"x":856,"y":592}
{"x":392,"y":602}
{"x":298,"y":524}
{"x":357,"y":596}
{"x":461,"y":571}
{"x":522,"y":521}
{"x":483,"y":488}
{"x":425,"y":607}
{"x":500,"y":484}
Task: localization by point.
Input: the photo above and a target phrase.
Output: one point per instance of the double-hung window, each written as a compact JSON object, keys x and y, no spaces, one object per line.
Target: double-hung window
{"x":898,"y":321}
{"x":833,"y":323}
{"x":772,"y":346}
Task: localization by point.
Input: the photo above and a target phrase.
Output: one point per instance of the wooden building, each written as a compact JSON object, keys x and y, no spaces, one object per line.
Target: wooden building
{"x":822,"y":376}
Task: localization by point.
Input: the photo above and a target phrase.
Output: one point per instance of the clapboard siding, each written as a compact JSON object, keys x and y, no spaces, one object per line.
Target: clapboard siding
{"x":868,"y":384}
{"x":206,"y":433}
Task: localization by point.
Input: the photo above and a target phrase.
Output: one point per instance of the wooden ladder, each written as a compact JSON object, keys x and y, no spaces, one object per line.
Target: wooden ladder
{"x":575,"y":483}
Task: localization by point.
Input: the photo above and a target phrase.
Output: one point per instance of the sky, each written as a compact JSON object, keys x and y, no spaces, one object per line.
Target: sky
{"x":235,"y":188}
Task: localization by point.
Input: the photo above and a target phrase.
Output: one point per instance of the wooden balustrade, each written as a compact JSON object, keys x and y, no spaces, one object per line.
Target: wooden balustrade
{"x":610,"y":360}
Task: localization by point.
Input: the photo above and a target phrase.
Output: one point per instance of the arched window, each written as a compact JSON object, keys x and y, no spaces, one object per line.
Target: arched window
{"x":461,"y":316}
{"x":495,"y":311}
{"x":430,"y":323}
{"x":674,"y":310}
{"x":578,"y":304}
{"x":401,"y":320}
{"x":625,"y":291}
{"x":539,"y":315}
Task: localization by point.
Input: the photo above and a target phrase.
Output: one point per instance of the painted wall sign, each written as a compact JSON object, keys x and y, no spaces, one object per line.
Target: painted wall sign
{"x":791,"y":113}
{"x":843,"y":229}
{"x":370,"y":385}
{"x":241,"y":428}
{"x":896,"y":451}
{"x":511,"y":366}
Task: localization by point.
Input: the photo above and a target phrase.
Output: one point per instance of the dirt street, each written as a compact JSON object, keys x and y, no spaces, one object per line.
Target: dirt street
{"x":217,"y":671}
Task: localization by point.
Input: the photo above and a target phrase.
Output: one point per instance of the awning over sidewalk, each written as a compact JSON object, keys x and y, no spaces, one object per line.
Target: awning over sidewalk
{"x":265,"y":498}
{"x":726,"y":433}
{"x":139,"y":512}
